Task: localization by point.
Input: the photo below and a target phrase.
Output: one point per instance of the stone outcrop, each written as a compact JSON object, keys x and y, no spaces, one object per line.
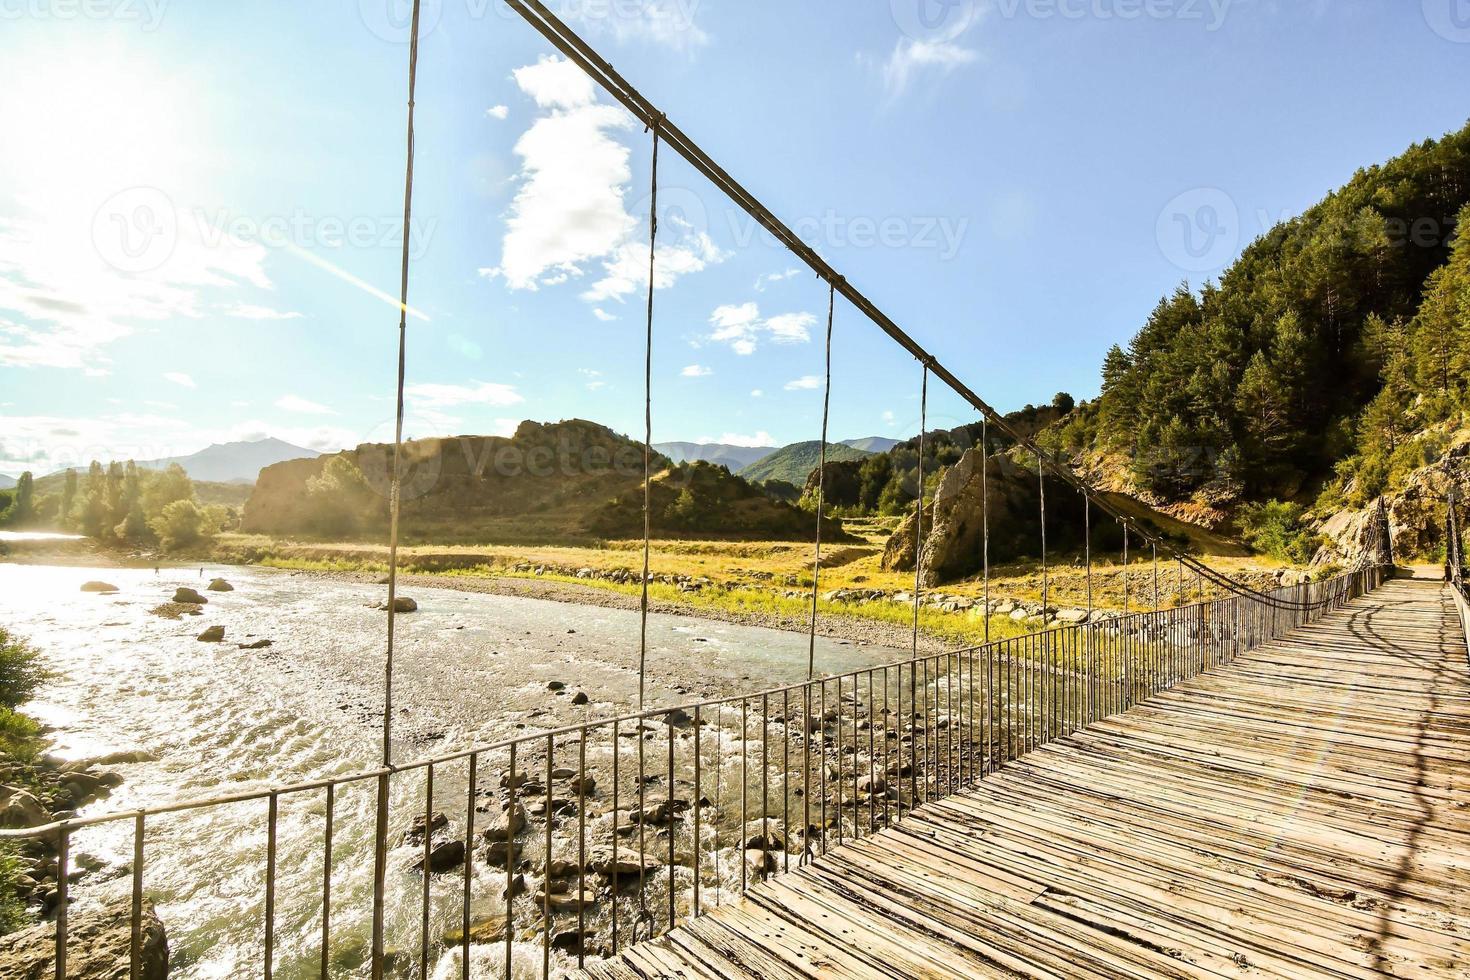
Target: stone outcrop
{"x":99,"y":946}
{"x":954,"y":526}
{"x":1416,"y":513}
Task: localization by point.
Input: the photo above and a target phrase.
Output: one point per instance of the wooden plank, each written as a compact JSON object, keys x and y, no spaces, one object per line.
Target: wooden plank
{"x":1302,"y":812}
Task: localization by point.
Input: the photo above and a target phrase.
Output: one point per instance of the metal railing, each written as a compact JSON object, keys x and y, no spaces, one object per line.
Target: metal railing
{"x":636,"y":823}
{"x":1455,"y":562}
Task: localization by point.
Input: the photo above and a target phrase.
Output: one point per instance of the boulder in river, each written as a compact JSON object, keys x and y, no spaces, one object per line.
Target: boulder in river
{"x":215,"y":634}
{"x":484,"y":930}
{"x":102,"y":587}
{"x":219,"y":585}
{"x":254,"y":645}
{"x":19,"y":808}
{"x":98,"y":948}
{"x":444,"y":856}
{"x":187,"y":596}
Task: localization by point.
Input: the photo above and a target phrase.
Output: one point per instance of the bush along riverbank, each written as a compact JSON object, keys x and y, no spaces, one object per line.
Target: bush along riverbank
{"x":37,"y":788}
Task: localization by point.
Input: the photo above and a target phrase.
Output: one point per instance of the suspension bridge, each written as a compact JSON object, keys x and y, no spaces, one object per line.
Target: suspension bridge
{"x":1251,"y":784}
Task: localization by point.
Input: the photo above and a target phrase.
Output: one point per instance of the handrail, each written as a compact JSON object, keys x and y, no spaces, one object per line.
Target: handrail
{"x":969,"y":712}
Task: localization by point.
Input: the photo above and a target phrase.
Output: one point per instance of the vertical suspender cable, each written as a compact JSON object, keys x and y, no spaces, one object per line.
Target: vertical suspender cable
{"x":1045,"y":582}
{"x":648,"y":422}
{"x":919,"y":506}
{"x":811,"y":648}
{"x":380,"y":850}
{"x":985,"y":516}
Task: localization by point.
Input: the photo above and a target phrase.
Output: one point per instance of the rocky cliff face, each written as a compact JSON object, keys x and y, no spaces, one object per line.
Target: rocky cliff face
{"x":1416,"y":513}
{"x":954,"y":525}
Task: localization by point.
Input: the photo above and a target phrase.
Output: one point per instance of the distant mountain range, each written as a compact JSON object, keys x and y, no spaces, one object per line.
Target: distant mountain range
{"x":793,"y":463}
{"x":6,"y":482}
{"x":233,"y":462}
{"x":872,"y":444}
{"x":229,"y":462}
{"x":732,"y":458}
{"x":738,"y":458}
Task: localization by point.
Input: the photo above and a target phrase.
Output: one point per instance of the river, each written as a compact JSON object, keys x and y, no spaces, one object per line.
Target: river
{"x":215,"y":718}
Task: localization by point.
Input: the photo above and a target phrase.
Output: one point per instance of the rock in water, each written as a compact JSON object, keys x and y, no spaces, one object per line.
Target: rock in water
{"x":444,"y":856}
{"x":103,"y":587}
{"x":219,"y":585}
{"x":19,"y":808}
{"x":98,"y":946}
{"x":189,"y":597}
{"x":215,"y":634}
{"x":255,"y":645}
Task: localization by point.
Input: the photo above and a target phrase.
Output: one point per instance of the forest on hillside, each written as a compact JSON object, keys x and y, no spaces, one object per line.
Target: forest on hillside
{"x":1318,"y":365}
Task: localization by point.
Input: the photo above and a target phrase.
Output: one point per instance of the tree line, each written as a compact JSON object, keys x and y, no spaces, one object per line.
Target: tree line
{"x":1322,"y":362}
{"x":121,"y":503}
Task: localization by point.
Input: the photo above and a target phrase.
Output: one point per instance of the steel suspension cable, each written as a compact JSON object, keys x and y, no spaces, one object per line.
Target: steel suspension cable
{"x":380,"y":850}
{"x":811,"y":650}
{"x":919,"y":506}
{"x":648,"y":421}
{"x":584,"y":56}
{"x":985,"y":516}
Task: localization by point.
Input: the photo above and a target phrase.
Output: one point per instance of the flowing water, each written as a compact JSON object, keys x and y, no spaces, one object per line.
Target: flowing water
{"x":213,"y":718}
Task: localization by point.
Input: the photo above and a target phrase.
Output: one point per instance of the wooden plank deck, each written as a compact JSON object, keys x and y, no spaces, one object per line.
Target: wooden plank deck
{"x":1304,"y":812}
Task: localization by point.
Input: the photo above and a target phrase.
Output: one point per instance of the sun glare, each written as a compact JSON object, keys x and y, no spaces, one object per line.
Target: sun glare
{"x":89,"y":124}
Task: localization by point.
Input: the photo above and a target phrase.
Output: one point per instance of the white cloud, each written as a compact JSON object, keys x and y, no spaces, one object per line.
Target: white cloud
{"x":760,"y":440}
{"x":888,"y":418}
{"x":432,"y":396}
{"x":67,"y":304}
{"x":498,"y":112}
{"x":911,"y":57}
{"x":669,"y":23}
{"x":246,"y":311}
{"x":773,"y":278}
{"x":742,"y":326}
{"x":295,"y":403}
{"x":602,"y":314}
{"x":757,"y":393}
{"x":180,"y":378}
{"x":804,"y":383}
{"x":696,"y":371}
{"x":570,"y":209}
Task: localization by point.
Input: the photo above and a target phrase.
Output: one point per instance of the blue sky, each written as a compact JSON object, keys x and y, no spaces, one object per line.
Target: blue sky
{"x":200,"y":203}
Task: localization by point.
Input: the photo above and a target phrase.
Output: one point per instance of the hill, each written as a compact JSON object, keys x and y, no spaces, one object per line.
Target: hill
{"x":1325,"y":363}
{"x":6,"y":482}
{"x":233,"y":461}
{"x":565,"y":481}
{"x":205,"y":491}
{"x":871,"y":444}
{"x":733,"y":458}
{"x":793,"y":463}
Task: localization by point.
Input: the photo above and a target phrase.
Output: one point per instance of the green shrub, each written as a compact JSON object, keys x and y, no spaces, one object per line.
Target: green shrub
{"x":12,"y":910}
{"x":21,"y":673}
{"x":1276,"y":529}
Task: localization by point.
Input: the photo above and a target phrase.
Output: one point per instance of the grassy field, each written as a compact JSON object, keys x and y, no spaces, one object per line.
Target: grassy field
{"x":764,"y":579}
